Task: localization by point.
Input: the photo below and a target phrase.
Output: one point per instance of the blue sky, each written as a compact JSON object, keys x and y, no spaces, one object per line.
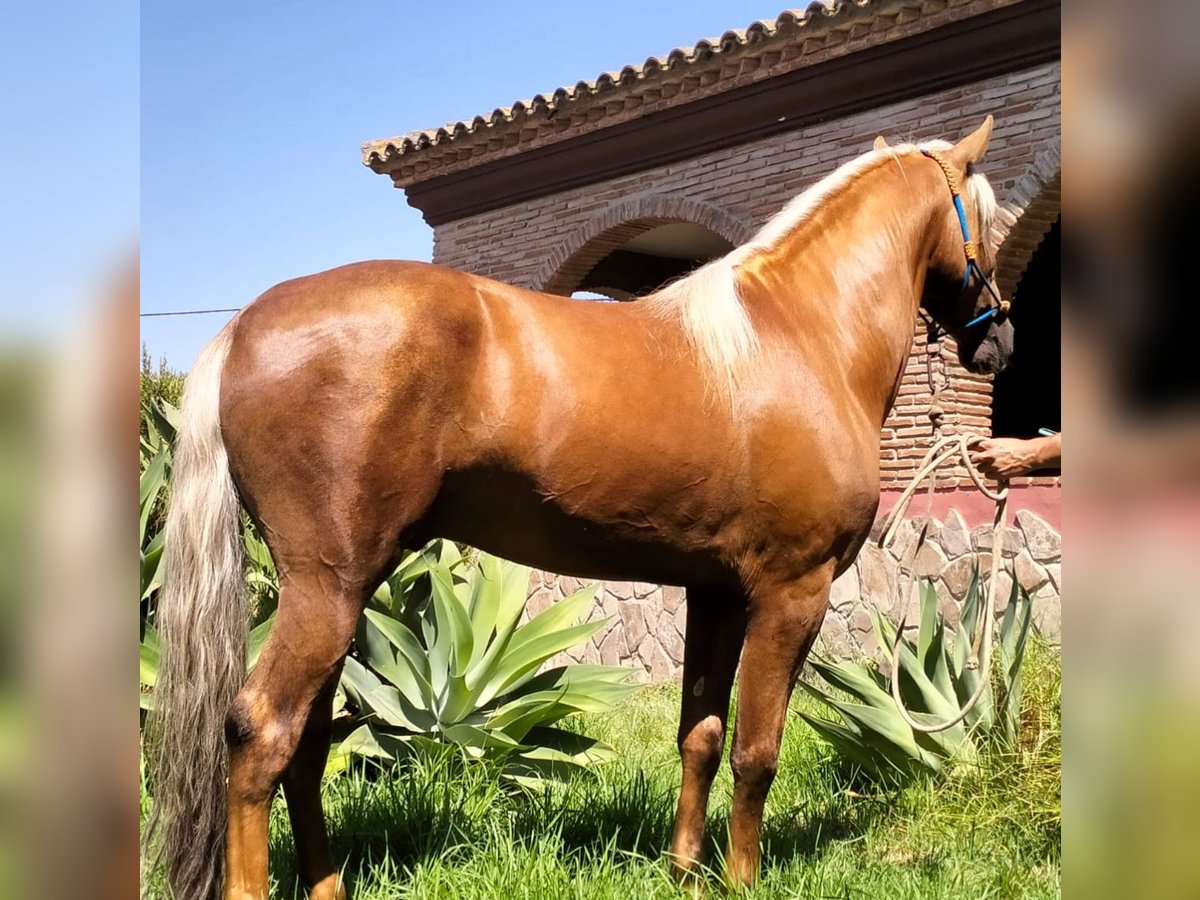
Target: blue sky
{"x":252,"y":115}
{"x":68,"y":157}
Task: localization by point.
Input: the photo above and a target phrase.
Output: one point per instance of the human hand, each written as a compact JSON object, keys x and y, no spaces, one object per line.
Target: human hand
{"x":1002,"y":458}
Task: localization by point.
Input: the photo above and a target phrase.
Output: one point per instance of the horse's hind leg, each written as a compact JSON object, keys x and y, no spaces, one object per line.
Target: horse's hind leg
{"x":302,"y":787}
{"x":716,"y":624}
{"x":309,"y":640}
{"x":783,"y":623}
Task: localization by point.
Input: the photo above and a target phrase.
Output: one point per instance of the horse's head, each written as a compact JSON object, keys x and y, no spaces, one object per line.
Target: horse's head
{"x":962,"y":295}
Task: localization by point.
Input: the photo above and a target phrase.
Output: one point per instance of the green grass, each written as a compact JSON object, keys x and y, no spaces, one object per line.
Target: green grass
{"x":439,"y":829}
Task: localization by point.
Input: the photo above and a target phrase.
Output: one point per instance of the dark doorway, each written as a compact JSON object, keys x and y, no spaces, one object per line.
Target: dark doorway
{"x":1028,"y":394}
{"x":654,"y":258}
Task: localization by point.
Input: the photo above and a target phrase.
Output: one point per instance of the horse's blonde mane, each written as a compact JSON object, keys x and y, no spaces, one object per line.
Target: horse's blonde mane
{"x":707,"y":300}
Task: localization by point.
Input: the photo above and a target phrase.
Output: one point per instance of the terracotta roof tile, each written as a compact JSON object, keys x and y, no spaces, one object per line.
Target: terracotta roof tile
{"x":381,"y":155}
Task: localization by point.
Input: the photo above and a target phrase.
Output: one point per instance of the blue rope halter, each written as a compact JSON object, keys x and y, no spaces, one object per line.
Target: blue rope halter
{"x":968,"y":244}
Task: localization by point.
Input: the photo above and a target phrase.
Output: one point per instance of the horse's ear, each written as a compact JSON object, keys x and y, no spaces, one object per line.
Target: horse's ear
{"x":971,"y":148}
{"x":880,"y":143}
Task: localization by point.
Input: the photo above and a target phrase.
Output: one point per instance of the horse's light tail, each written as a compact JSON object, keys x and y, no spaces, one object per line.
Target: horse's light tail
{"x":202,"y":627}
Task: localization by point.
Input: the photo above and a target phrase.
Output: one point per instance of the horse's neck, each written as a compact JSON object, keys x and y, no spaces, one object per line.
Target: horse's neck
{"x":850,"y":276}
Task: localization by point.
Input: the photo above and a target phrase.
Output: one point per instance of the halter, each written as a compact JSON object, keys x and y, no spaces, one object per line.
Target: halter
{"x":969,"y":250}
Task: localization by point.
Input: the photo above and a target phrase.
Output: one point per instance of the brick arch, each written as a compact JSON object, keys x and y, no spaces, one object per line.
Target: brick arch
{"x":568,"y":263}
{"x":1035,"y":204}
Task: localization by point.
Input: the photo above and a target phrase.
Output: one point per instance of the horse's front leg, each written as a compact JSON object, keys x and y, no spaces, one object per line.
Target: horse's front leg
{"x":716,"y":624}
{"x":783,"y":623}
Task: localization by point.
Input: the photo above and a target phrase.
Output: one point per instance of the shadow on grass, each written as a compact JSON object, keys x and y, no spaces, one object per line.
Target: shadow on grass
{"x":787,"y":838}
{"x":408,"y":818}
{"x":414,"y":816}
{"x":805,"y":831}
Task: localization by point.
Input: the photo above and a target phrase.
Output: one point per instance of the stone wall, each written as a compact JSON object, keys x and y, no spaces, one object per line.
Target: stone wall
{"x":646,"y":622}
{"x":1032,"y":555}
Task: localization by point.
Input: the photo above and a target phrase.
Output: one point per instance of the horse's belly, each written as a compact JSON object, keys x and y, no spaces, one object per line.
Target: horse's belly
{"x":503,"y":514}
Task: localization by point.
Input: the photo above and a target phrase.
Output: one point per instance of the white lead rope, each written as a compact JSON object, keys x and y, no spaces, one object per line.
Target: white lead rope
{"x":981,"y":649}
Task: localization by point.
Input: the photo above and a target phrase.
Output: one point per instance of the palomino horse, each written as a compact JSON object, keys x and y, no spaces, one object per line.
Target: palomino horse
{"x":721,"y":434}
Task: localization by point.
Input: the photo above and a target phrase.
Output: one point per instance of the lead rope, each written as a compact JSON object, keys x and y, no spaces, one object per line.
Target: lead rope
{"x":946,"y":448}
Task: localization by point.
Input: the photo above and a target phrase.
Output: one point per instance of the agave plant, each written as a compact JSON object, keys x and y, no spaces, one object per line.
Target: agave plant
{"x":935,"y":681}
{"x":442,"y":657}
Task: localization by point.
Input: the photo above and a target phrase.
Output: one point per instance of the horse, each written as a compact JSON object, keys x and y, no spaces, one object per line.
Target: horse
{"x":721,"y":434}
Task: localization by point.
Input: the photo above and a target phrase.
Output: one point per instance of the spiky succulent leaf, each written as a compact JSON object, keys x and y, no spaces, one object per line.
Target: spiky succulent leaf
{"x":452,"y":620}
{"x":257,"y":639}
{"x":1014,"y":634}
{"x":935,"y":681}
{"x":151,"y":565}
{"x":153,"y":480}
{"x":522,"y":663}
{"x":927,"y":650}
{"x":465,"y":671}
{"x":877,"y":758}
{"x":509,"y":594}
{"x":852,"y":678}
{"x":408,"y":648}
{"x":487,"y":585}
